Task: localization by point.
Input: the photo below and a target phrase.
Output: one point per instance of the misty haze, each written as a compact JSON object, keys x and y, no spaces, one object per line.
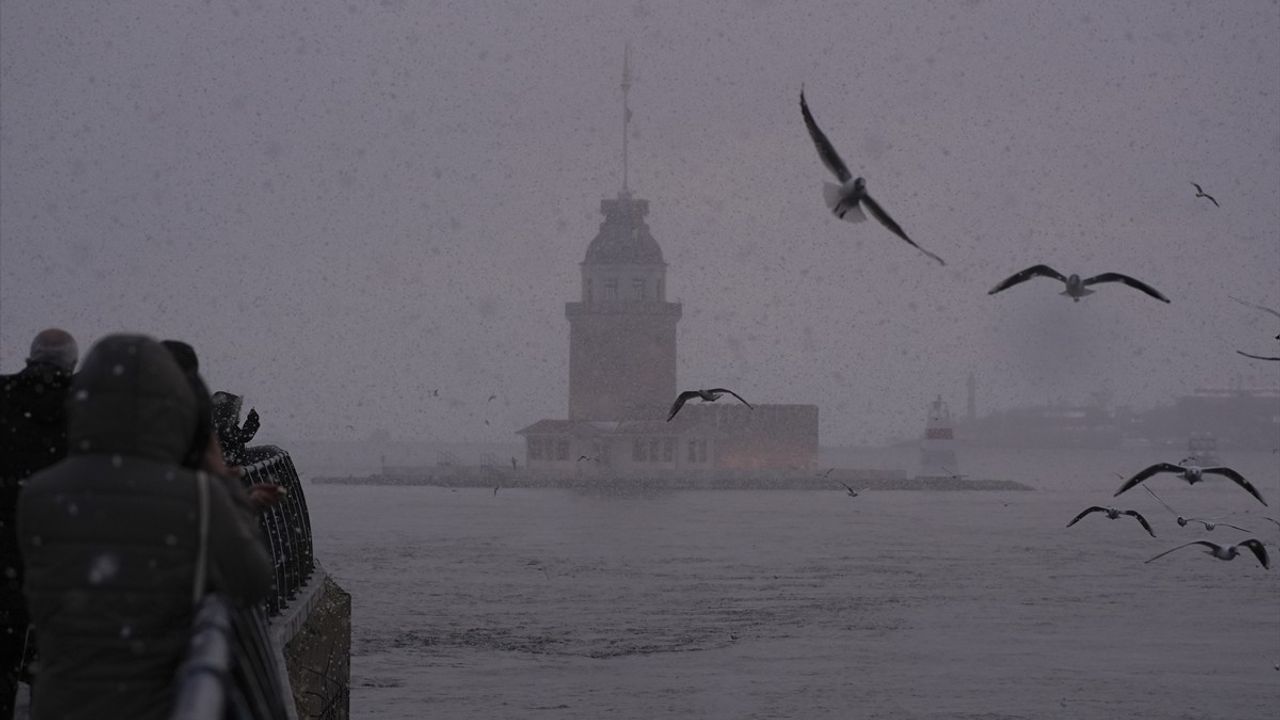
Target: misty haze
{"x":599,"y":378}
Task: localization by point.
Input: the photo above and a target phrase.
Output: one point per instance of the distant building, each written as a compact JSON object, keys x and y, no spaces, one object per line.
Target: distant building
{"x":622,"y":374}
{"x":622,"y":378}
{"x":1234,"y":417}
{"x":622,"y":334}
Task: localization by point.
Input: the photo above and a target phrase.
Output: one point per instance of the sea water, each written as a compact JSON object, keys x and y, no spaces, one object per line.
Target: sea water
{"x":810,"y":604}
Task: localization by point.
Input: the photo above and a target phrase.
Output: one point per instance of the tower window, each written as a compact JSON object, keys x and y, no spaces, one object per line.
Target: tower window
{"x":588,"y":288}
{"x":660,"y":295}
{"x":611,"y":289}
{"x":535,"y":449}
{"x":562,"y":449}
{"x":637,"y":288}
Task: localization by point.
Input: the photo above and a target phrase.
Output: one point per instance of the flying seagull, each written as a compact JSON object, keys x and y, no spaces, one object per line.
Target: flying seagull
{"x":588,"y":457}
{"x":705,"y":395}
{"x":1228,"y":552}
{"x":1192,"y":474}
{"x":1256,"y":307}
{"x":848,"y":199}
{"x":1113,"y":513}
{"x":1200,"y":193}
{"x":1209,"y":525}
{"x":1076,"y":287}
{"x":850,"y":491}
{"x":1263,"y":308}
{"x":1258,"y":357}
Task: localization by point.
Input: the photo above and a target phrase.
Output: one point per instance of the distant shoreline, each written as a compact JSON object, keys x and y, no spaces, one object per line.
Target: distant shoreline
{"x":507,"y":479}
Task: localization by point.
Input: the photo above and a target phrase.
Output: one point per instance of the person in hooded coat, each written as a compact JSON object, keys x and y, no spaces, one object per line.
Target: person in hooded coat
{"x":114,"y":538}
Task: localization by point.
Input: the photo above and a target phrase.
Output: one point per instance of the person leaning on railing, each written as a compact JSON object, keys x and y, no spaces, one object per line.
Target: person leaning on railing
{"x":119,"y":537}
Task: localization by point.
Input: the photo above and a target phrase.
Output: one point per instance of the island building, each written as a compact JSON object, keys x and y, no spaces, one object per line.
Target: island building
{"x":622,"y":373}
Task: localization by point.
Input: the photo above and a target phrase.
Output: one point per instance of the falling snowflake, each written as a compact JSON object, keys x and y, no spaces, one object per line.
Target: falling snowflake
{"x":104,"y":568}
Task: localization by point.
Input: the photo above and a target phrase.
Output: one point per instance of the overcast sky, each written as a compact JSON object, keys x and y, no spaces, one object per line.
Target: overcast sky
{"x":344,"y":206}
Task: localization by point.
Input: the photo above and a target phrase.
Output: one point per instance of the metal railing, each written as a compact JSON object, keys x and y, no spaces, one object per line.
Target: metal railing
{"x":228,"y":672}
{"x":230,"y":669}
{"x":286,"y":525}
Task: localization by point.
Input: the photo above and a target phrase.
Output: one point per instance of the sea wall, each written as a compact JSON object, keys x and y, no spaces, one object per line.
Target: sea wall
{"x":318,"y":656}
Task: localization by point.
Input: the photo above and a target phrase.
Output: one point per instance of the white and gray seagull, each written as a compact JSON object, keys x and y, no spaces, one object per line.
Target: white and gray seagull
{"x":1208,"y":525}
{"x":1113,"y":513}
{"x":1192,"y":474}
{"x":1076,"y":287}
{"x":1227,"y":552}
{"x":848,"y":199}
{"x":705,"y":396}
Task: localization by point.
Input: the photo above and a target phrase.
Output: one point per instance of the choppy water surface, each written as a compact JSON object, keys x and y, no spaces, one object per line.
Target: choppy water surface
{"x":808,"y":604}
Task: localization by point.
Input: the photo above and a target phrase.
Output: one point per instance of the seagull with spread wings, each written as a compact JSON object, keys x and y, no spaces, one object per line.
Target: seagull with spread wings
{"x":1076,"y":287}
{"x":1208,"y":525}
{"x":1227,"y":552}
{"x":1192,"y":474}
{"x":849,"y":491}
{"x":1263,"y":308}
{"x":705,"y":396}
{"x":1200,"y":193}
{"x":848,"y":199}
{"x":1112,"y":514}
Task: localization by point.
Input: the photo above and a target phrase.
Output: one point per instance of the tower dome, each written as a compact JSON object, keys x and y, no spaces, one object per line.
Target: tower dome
{"x":624,"y":237}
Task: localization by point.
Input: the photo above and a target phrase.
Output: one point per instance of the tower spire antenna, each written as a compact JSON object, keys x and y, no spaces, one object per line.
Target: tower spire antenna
{"x":626,"y":111}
